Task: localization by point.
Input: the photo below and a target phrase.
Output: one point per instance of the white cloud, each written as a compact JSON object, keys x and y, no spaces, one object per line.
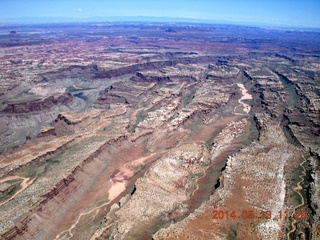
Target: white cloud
{"x":79,"y":9}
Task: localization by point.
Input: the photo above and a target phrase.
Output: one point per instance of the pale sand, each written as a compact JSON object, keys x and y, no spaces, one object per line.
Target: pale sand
{"x":128,"y":170}
{"x":245,"y":96}
{"x":115,"y":190}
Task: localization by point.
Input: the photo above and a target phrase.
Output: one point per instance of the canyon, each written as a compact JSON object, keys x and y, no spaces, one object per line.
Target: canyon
{"x":131,"y":131}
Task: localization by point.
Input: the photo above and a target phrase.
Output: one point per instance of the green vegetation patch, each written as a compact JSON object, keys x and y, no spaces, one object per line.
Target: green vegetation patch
{"x":26,"y":91}
{"x":187,"y":98}
{"x":254,"y":133}
{"x":81,"y":95}
{"x":41,"y":168}
{"x":292,"y":98}
{"x":194,"y":124}
{"x":142,"y":115}
{"x":16,"y":186}
{"x":73,"y":89}
{"x":107,"y":128}
{"x":232,"y":234}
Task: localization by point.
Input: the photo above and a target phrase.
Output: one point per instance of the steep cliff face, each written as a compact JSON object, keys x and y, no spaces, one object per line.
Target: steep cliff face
{"x":19,"y":107}
{"x":101,"y":73}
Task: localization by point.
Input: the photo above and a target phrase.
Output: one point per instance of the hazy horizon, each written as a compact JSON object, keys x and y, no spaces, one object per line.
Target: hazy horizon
{"x":294,"y":13}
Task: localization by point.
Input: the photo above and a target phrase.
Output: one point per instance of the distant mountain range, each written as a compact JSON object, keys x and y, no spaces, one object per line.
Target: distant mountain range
{"x":39,"y":20}
{"x":102,"y":19}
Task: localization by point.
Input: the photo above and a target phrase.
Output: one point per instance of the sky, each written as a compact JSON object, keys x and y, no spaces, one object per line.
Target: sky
{"x":300,"y":13}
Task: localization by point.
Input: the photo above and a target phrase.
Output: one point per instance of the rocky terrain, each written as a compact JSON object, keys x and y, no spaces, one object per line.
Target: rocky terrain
{"x":131,"y":131}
